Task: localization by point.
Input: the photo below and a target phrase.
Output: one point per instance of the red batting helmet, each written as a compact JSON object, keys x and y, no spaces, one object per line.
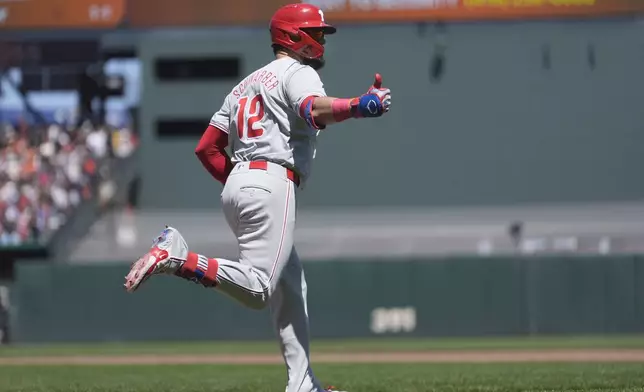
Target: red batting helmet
{"x":288,"y":29}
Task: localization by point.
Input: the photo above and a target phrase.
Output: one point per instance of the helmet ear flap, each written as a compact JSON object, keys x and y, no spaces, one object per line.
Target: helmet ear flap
{"x":291,"y":34}
{"x":295,"y":37}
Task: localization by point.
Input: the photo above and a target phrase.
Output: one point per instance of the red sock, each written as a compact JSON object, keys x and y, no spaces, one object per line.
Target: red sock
{"x":200,"y":269}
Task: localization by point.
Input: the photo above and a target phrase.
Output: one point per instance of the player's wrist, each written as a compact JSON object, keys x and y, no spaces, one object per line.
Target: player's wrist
{"x":343,"y":109}
{"x":355,"y":109}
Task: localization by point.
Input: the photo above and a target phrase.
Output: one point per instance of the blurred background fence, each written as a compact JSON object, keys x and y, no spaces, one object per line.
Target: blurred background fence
{"x":457,"y":296}
{"x":503,"y":194}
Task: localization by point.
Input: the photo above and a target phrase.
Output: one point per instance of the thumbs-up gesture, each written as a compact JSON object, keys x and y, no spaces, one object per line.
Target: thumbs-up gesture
{"x":376,"y":101}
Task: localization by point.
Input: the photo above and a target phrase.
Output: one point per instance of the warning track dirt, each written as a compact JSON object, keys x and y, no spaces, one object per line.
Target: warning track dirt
{"x":493,"y":356}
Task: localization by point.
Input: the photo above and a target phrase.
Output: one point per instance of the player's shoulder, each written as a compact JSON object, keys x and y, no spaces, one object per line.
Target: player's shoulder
{"x":292,"y":67}
{"x":286,"y":66}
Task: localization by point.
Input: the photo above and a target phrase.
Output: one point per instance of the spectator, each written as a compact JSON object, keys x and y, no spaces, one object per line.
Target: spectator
{"x":45,"y":173}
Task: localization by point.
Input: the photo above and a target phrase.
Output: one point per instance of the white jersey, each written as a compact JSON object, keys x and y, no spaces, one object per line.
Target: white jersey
{"x":261,"y":116}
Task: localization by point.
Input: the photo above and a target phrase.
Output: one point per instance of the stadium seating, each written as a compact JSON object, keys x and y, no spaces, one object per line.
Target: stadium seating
{"x":47,"y":171}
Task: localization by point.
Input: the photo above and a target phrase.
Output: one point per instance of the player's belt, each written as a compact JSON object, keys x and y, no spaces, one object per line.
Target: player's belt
{"x":263,"y":165}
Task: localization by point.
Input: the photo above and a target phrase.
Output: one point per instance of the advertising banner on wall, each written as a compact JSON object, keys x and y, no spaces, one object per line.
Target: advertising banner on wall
{"x":60,"y":14}
{"x":150,"y":13}
{"x":463,"y":10}
{"x":52,"y":14}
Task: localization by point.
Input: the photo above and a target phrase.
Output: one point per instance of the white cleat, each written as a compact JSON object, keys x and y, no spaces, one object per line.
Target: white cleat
{"x":168,"y":252}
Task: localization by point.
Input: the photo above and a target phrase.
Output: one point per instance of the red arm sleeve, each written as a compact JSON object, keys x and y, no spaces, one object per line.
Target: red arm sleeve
{"x":212,"y":154}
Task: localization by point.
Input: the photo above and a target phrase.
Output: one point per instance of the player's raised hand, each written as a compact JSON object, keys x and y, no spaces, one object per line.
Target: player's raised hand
{"x":376,"y":101}
{"x":383,"y":93}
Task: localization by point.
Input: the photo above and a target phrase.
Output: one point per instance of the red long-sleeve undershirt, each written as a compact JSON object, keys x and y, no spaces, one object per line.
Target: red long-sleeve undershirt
{"x":212,"y":154}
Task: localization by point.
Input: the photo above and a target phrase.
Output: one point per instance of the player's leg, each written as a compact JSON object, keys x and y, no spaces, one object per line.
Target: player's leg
{"x":290,"y":317}
{"x":170,"y":255}
{"x":260,"y":208}
{"x":269,"y":269}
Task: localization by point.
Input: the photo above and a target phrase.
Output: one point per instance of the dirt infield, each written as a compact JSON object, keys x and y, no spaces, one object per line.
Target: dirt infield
{"x":389,"y":357}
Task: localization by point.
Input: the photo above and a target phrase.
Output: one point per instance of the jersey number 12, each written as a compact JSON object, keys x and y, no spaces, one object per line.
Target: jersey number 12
{"x":256,"y":113}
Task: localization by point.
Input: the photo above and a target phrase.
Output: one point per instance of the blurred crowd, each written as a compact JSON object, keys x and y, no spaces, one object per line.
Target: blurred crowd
{"x":48,"y":171}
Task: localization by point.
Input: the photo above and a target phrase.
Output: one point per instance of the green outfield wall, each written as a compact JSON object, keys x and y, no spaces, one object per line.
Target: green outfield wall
{"x":511,"y":121}
{"x":439,"y":297}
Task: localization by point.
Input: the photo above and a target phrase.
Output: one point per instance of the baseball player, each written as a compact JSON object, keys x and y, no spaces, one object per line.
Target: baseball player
{"x":270,"y":160}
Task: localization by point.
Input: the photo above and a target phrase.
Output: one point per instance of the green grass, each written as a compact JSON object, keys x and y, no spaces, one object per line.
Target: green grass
{"x":321,"y":346}
{"x":528,"y":377}
{"x":353,"y":378}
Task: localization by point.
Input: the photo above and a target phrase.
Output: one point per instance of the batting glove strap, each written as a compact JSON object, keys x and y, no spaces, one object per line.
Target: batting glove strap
{"x":368,"y":105}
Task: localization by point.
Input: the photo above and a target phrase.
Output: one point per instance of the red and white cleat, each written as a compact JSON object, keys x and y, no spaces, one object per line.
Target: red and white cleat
{"x":168,"y":252}
{"x":333,"y":389}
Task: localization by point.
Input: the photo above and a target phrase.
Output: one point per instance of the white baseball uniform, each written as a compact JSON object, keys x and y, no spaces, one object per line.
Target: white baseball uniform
{"x":259,"y":201}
